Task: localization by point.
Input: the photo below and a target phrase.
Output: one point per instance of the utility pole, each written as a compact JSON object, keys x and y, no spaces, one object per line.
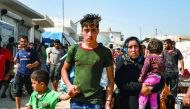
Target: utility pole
{"x":156,"y":32}
{"x":63,"y":36}
{"x":140,"y":33}
{"x":63,"y":14}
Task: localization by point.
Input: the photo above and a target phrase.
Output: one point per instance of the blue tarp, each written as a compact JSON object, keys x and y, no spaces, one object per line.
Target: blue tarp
{"x":53,"y":35}
{"x":48,"y":37}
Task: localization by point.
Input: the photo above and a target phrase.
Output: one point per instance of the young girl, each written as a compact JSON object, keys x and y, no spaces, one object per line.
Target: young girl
{"x":151,"y":72}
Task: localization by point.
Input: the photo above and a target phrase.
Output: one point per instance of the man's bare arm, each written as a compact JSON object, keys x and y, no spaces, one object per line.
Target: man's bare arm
{"x":71,"y":89}
{"x":10,"y":71}
{"x":182,"y":64}
{"x":110,"y":86}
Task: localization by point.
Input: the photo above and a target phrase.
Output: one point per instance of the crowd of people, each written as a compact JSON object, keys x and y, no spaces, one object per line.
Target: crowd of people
{"x":140,"y":73}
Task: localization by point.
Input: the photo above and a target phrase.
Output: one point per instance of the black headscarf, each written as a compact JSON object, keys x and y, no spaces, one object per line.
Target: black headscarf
{"x":125,"y":49}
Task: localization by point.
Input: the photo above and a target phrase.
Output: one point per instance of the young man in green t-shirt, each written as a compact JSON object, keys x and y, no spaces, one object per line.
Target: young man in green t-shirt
{"x":89,"y":60}
{"x":43,"y":97}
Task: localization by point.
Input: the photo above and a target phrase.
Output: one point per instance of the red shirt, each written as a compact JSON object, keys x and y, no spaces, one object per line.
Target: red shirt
{"x":5,"y":55}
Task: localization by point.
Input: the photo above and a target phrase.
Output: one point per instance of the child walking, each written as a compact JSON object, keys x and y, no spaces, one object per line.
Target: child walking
{"x":43,"y":97}
{"x":151,"y":72}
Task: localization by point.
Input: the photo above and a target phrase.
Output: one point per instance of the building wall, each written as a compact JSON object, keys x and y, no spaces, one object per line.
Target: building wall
{"x":69,"y":28}
{"x":27,"y":20}
{"x":23,"y":24}
{"x":184,"y":47}
{"x":5,"y":33}
{"x":111,"y":37}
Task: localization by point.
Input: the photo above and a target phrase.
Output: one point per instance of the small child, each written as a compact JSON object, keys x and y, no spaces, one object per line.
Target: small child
{"x":151,"y":72}
{"x":43,"y":97}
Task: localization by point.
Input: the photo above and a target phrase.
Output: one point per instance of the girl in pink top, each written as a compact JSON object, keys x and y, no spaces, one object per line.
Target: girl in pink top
{"x":151,"y":72}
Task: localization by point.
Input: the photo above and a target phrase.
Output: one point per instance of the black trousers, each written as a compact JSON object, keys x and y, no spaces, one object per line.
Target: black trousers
{"x":21,"y":80}
{"x":172,"y":82}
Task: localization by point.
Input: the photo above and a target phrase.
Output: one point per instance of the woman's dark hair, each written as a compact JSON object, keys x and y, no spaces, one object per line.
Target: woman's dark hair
{"x":40,"y":76}
{"x":155,"y":46}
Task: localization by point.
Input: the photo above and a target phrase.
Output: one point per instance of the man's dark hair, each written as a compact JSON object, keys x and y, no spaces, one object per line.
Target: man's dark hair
{"x":118,"y":49}
{"x":155,"y":46}
{"x":57,"y":41}
{"x":0,"y":38}
{"x":23,"y":37}
{"x":143,"y":46}
{"x":51,"y":45}
{"x":90,"y":19}
{"x":31,"y":43}
{"x":168,"y":41}
{"x":40,"y":76}
{"x":100,"y":43}
{"x":11,"y":39}
{"x":111,"y":46}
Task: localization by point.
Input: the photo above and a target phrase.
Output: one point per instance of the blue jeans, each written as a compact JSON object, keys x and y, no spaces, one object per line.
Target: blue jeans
{"x":78,"y":105}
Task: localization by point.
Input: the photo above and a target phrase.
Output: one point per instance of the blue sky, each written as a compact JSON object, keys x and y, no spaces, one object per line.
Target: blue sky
{"x":169,"y":17}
